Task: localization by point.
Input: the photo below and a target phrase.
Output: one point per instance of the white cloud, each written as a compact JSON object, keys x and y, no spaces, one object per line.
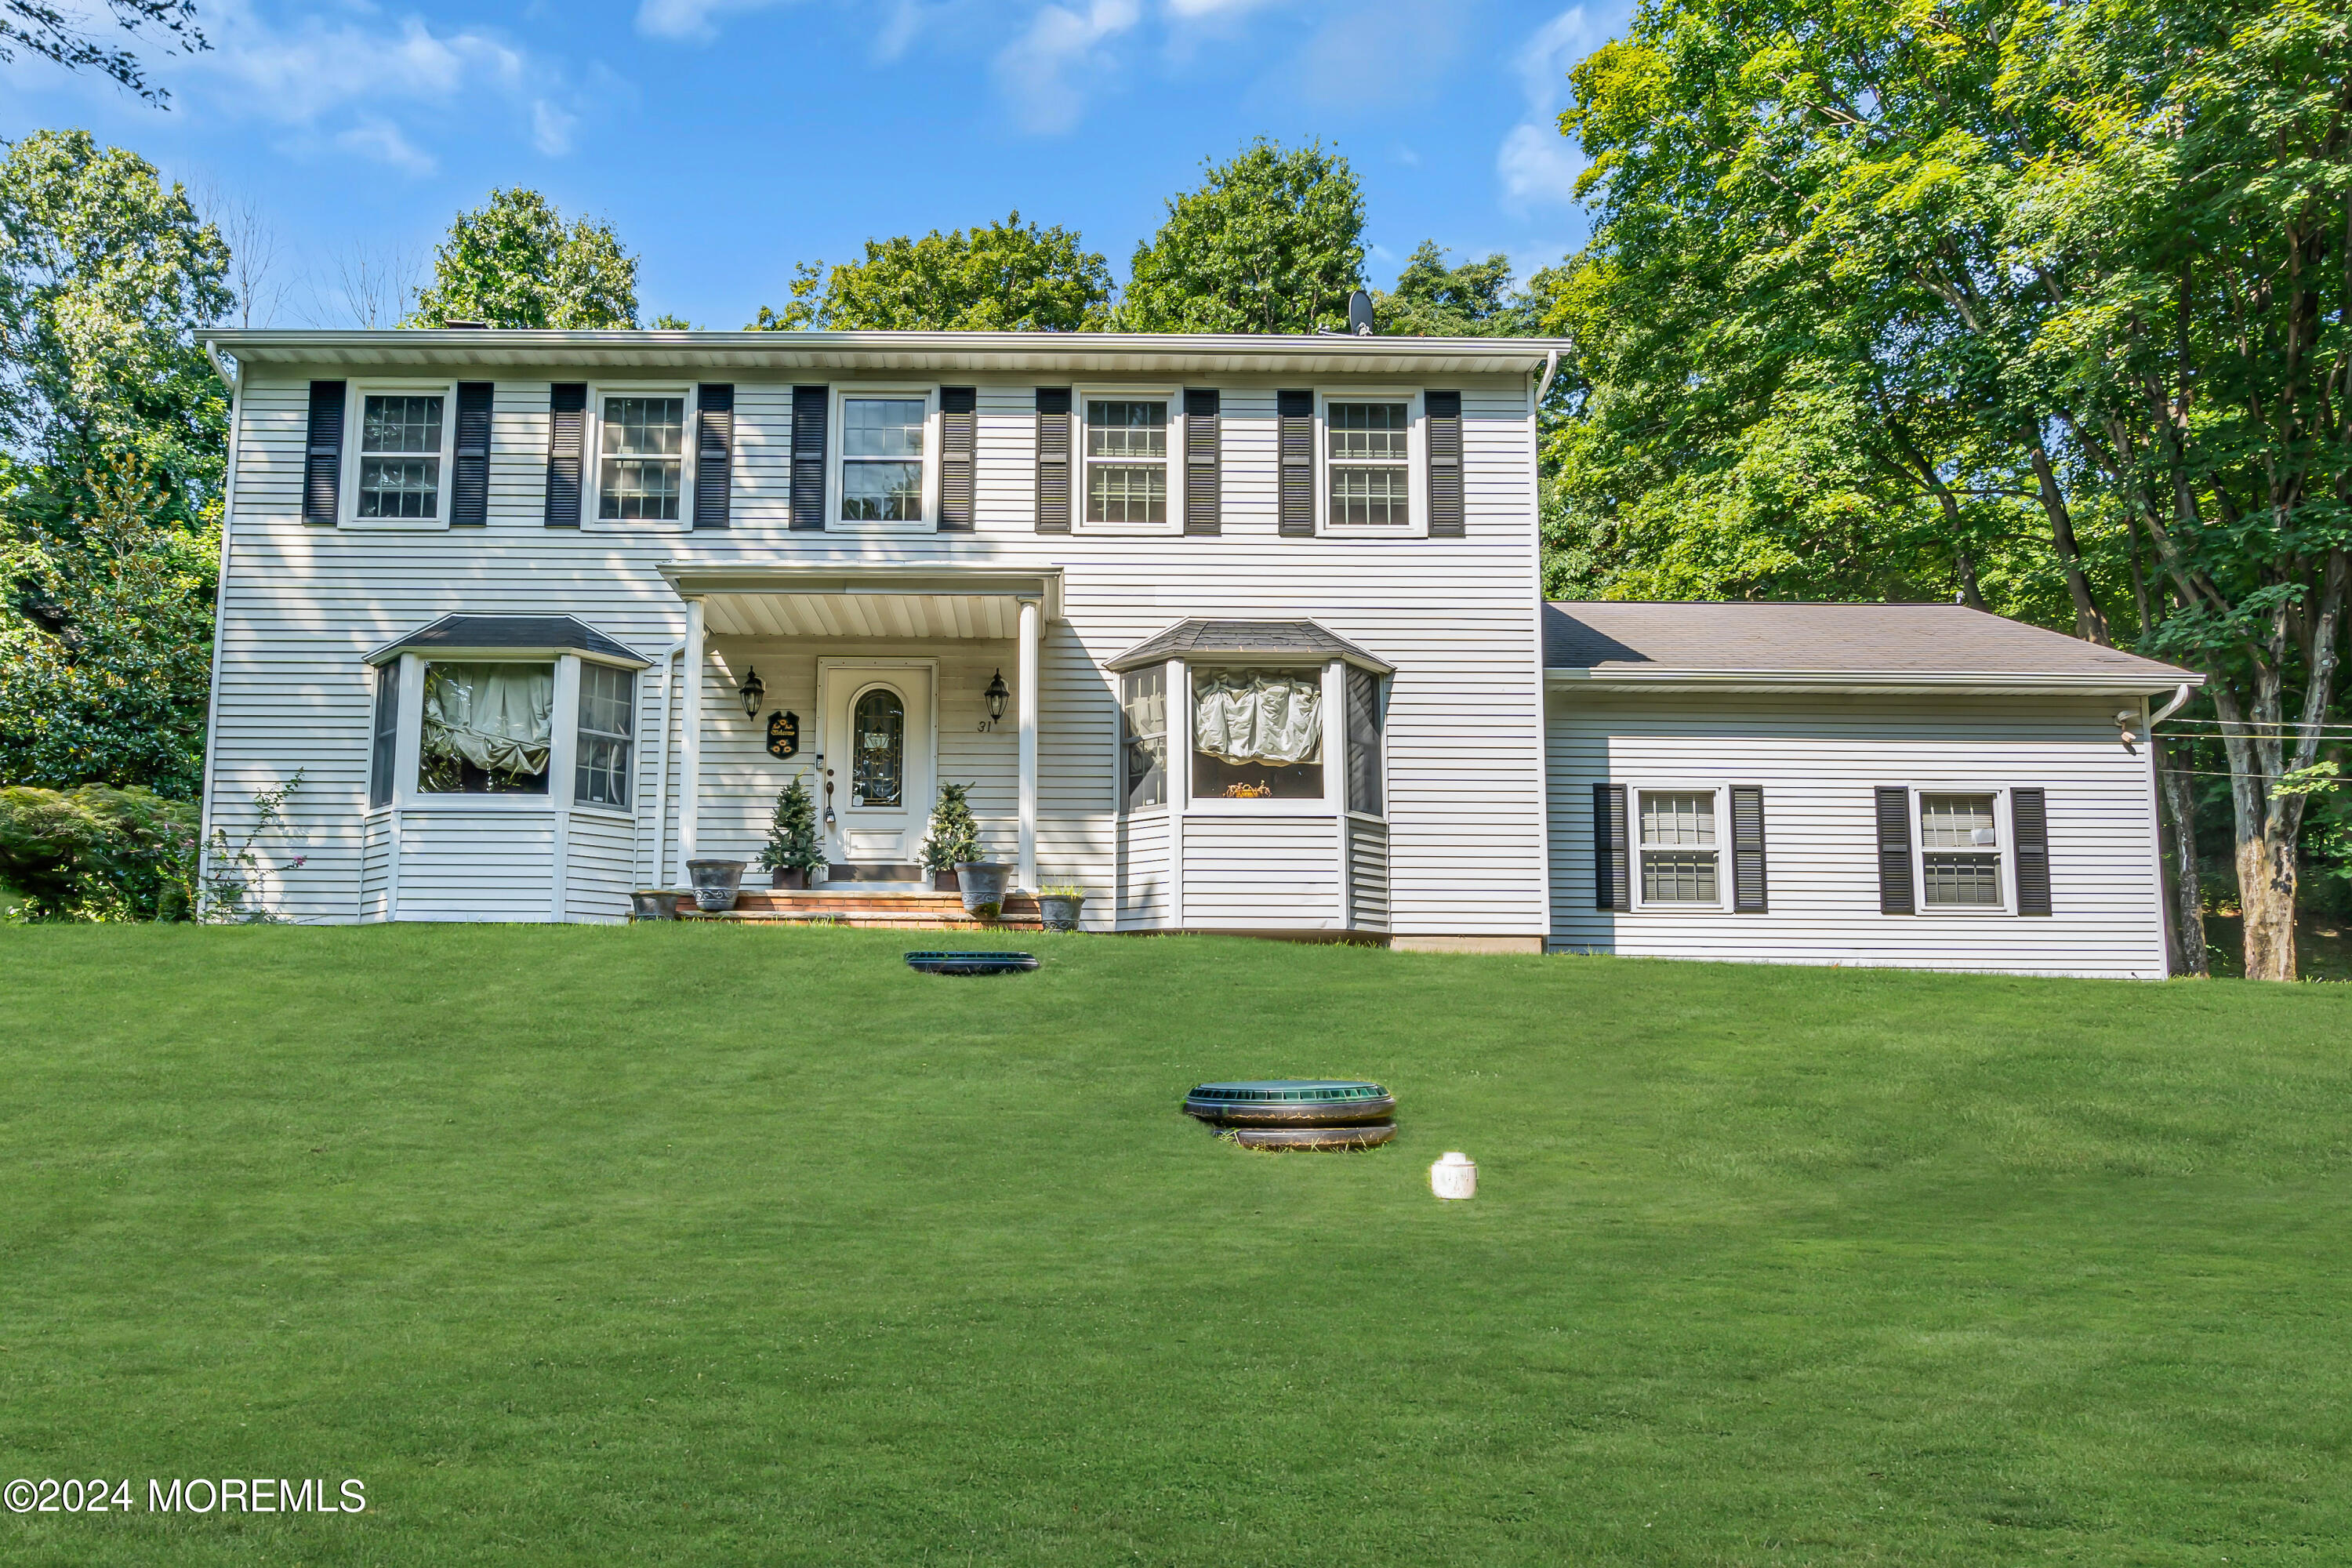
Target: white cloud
{"x":690,"y":19}
{"x":345,"y":80}
{"x":898,"y":34}
{"x":1538,"y":165}
{"x":381,"y":141}
{"x":1035,"y":71}
{"x":1191,"y":10}
{"x":550,"y":128}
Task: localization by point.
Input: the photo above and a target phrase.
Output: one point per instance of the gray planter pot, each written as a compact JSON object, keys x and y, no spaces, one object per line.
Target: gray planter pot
{"x":1059,"y":914}
{"x":653,"y":904}
{"x":716,"y":883}
{"x":983,"y":885}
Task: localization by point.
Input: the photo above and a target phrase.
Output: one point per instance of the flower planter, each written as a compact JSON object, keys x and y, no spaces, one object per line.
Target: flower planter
{"x":716,"y":883}
{"x":653,"y":904}
{"x":1058,"y":913}
{"x":945,"y":882}
{"x":982,"y":882}
{"x":788,"y":876}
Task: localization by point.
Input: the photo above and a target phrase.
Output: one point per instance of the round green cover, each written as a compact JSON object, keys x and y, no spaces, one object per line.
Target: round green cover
{"x":1288,"y":1091}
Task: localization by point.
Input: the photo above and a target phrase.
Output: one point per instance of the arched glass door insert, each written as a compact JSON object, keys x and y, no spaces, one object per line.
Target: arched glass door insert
{"x":878,"y":749}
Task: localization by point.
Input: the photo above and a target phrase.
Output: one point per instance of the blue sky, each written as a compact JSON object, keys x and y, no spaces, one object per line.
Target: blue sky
{"x":729,"y":139}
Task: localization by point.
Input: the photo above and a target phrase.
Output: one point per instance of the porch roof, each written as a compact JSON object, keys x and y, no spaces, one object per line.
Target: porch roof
{"x":1293,"y":640}
{"x":924,"y":603}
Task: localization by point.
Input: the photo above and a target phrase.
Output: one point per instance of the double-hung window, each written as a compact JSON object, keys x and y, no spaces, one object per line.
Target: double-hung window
{"x":1679,"y":847}
{"x":1143,"y":717}
{"x":641,"y":457}
{"x":882,"y":457}
{"x":1368,"y":476}
{"x":1960,"y":851}
{"x":1364,"y":724}
{"x":1127,"y":461}
{"x":402,"y":439}
{"x":607,"y":706}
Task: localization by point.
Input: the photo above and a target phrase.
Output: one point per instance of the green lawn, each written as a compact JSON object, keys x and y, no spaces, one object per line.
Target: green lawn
{"x":678,"y":1245}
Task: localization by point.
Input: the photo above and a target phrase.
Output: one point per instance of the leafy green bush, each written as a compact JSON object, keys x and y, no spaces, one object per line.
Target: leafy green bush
{"x":98,"y":852}
{"x":954,"y":837}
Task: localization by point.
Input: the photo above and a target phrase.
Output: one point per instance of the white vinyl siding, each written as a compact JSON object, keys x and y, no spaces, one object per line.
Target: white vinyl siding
{"x":1817,"y":760}
{"x":1465,"y":848}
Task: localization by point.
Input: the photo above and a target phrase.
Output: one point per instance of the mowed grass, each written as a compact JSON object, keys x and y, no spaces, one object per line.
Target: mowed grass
{"x":690,"y":1245}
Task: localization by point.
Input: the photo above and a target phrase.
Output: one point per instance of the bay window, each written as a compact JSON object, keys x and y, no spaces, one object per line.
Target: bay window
{"x":607,"y":706}
{"x":1257,"y":734}
{"x":1365,"y":723}
{"x":487,"y":728}
{"x":1143,"y":723}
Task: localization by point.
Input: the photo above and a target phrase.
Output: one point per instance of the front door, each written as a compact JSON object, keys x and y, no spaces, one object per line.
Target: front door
{"x":878,"y":750}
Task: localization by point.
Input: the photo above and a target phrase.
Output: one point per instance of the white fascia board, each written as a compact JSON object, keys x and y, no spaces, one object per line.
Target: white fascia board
{"x":693,"y":579}
{"x":1862,"y":681}
{"x":1071,"y":352}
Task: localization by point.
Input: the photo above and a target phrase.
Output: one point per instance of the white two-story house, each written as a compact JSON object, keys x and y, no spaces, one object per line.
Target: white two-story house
{"x":1235,"y":633}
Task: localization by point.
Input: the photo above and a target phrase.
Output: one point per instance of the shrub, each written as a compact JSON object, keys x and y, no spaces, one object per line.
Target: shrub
{"x":98,"y":852}
{"x":954,"y":837}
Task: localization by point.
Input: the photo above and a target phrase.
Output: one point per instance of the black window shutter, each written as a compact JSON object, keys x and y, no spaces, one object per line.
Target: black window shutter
{"x":808,"y":455}
{"x":469,"y":486}
{"x":1894,"y":895}
{"x":2028,"y":817}
{"x":1201,"y":456}
{"x":1294,"y":412}
{"x":1444,"y":412}
{"x":1612,"y":888}
{"x":714,"y":452}
{"x":1748,"y":849}
{"x":567,"y":432}
{"x":1053,"y":460}
{"x":322,"y":458}
{"x":959,"y":435}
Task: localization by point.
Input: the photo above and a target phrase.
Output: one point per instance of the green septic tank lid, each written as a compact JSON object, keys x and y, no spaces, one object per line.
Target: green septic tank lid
{"x":1288,"y":1091}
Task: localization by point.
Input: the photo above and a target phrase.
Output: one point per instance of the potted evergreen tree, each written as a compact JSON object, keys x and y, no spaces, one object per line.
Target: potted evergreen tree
{"x":953,"y":839}
{"x":791,"y":850}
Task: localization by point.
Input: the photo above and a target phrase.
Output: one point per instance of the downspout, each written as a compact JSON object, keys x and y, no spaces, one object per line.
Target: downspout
{"x":1543,"y":716}
{"x":234,"y":381}
{"x":661,"y":767}
{"x":1550,"y":369}
{"x":2169,"y":927}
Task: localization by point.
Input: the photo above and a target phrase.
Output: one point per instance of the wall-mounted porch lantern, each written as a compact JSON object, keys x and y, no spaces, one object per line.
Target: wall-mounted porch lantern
{"x":753,"y":691}
{"x":998,"y":696}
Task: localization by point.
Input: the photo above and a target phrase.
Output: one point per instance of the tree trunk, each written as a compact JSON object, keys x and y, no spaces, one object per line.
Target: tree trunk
{"x":2266,"y":879}
{"x":2090,"y":620}
{"x":2188,"y":956}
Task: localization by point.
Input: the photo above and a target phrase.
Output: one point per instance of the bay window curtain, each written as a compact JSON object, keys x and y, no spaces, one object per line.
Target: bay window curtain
{"x":1247,"y":716}
{"x":498,"y":717}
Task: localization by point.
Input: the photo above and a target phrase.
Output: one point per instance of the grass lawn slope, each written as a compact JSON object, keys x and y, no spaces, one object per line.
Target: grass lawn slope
{"x":687,"y":1245}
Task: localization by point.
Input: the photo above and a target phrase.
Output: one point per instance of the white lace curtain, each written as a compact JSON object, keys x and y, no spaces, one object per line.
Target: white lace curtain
{"x":498,"y":717}
{"x":1258,"y":716}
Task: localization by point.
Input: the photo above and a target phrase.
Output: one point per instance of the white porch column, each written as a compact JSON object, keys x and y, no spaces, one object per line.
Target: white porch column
{"x":689,"y":751}
{"x":1028,"y":699}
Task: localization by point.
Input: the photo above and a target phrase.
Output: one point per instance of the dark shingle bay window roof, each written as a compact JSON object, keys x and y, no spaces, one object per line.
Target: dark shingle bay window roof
{"x":1756,"y":646}
{"x":1231,"y":642}
{"x":453,"y":636}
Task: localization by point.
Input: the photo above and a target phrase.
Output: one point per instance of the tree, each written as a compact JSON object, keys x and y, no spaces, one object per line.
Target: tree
{"x":1001,"y":276}
{"x":1272,"y":242}
{"x":792,"y":831}
{"x":512,"y":262}
{"x":62,"y":35}
{"x":1434,"y":301}
{"x":105,"y":278}
{"x":106,"y":642}
{"x":2066,"y":270}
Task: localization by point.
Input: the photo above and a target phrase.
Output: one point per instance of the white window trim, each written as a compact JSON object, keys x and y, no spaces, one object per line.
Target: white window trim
{"x":1634,"y":790}
{"x":592,"y":459}
{"x":2004,"y":823}
{"x":408,"y":796}
{"x":1332,"y":802}
{"x":836,"y":433}
{"x":1168,"y":736}
{"x":1380,"y":710}
{"x":636,"y":740}
{"x":1416,"y":460}
{"x":1129,"y":392}
{"x":355,"y":423}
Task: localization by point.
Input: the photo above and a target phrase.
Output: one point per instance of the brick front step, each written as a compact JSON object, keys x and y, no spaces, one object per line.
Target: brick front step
{"x":912,"y":911}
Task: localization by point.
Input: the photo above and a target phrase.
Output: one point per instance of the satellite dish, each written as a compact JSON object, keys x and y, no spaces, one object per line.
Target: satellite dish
{"x":1359,"y":314}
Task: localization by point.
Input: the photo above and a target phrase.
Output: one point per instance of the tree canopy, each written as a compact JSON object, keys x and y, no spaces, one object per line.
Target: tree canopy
{"x":999,"y":277}
{"x":513,"y":262}
{"x":1272,"y":241}
{"x":64,"y":36}
{"x":2042,"y":306}
{"x":1474,"y":299}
